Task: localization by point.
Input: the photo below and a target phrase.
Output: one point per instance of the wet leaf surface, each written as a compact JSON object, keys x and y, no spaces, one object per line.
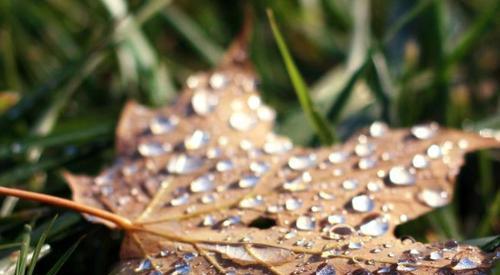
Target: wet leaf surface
{"x":211,"y":189}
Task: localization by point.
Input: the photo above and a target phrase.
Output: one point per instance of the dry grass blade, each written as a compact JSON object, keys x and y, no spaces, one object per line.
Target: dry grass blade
{"x":209,"y":188}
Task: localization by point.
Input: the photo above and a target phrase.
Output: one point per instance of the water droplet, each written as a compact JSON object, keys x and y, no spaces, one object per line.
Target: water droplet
{"x":181,"y":268}
{"x":434,"y":151}
{"x":405,"y":268}
{"x":378,"y":129}
{"x":305,"y":223}
{"x":277,"y":145}
{"x":355,"y":245}
{"x":248,"y":181}
{"x":297,"y":184}
{"x":350,"y":184}
{"x":152,"y":149}
{"x":162,"y":125}
{"x":400,"y":175}
{"x":292,"y":204}
{"x":367,"y":163}
{"x":207,"y":198}
{"x":464,"y":264}
{"x":302,"y":162}
{"x":374,"y":186}
{"x":338,"y":157}
{"x":184,"y":164}
{"x":420,"y":161}
{"x":375,"y":227}
{"x":362,"y":203}
{"x":218,"y":81}
{"x":202,"y":184}
{"x":232,"y":220}
{"x":204,"y":102}
{"x":336,"y":219}
{"x":242,"y":121}
{"x":264,"y":113}
{"x":436,"y":255}
{"x":433,"y":197}
{"x":326,"y":196}
{"x":425,"y":131}
{"x":180,"y":200}
{"x":254,"y":102}
{"x":325,"y":270}
{"x":224,"y":165}
{"x":144,"y":265}
{"x":208,"y":220}
{"x":259,"y":167}
{"x":196,"y":140}
{"x":364,"y":149}
{"x":251,"y":202}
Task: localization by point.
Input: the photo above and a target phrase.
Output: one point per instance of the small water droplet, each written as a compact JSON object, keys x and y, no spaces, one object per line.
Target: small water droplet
{"x":207,"y":198}
{"x":433,"y":197}
{"x":375,"y":227}
{"x":180,"y":200}
{"x":434,"y":151}
{"x":218,"y":81}
{"x":162,"y":125}
{"x":424,"y":131}
{"x":184,"y":164}
{"x":464,"y":264}
{"x":251,"y":202}
{"x":202,"y":184}
{"x":144,"y":265}
{"x":292,"y":204}
{"x":336,"y":219}
{"x":355,"y":245}
{"x":350,"y":184}
{"x":435,"y":255}
{"x":362,"y":203}
{"x":254,"y":102}
{"x":325,"y":270}
{"x":277,"y":145}
{"x":419,"y":161}
{"x":248,"y":181}
{"x":181,"y":268}
{"x":232,"y":220}
{"x":152,"y":149}
{"x":302,"y":162}
{"x":242,"y":122}
{"x":297,"y":184}
{"x":401,"y":176}
{"x":208,"y":220}
{"x":367,"y":163}
{"x":305,"y":223}
{"x":224,"y":165}
{"x":265,"y":113}
{"x":326,"y":196}
{"x":196,"y":140}
{"x":259,"y":167}
{"x":378,"y":129}
{"x":364,"y":149}
{"x":338,"y":157}
{"x":204,"y":102}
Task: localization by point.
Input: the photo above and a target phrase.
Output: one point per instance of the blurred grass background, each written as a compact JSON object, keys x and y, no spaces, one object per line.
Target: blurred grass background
{"x":67,"y":68}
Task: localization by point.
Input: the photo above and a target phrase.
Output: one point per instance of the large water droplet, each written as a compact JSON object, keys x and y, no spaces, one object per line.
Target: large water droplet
{"x":433,"y":197}
{"x":196,"y":140}
{"x":302,"y":162}
{"x":184,"y":164}
{"x":248,"y":181}
{"x":152,"y":149}
{"x":202,"y":184}
{"x":425,"y":131}
{"x":204,"y":102}
{"x":243,"y":122}
{"x":305,"y":223}
{"x":378,"y":129}
{"x":400,"y":175}
{"x":375,"y":227}
{"x":362,"y":203}
{"x":162,"y":125}
{"x":464,"y":264}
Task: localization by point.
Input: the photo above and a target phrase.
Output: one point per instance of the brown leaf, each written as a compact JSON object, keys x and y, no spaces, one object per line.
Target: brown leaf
{"x":210,"y":189}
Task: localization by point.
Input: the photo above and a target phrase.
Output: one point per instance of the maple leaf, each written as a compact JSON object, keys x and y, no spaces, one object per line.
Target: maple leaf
{"x":206,"y":187}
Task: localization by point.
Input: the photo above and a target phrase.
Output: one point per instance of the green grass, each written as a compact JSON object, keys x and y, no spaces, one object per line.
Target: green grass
{"x":68,"y":67}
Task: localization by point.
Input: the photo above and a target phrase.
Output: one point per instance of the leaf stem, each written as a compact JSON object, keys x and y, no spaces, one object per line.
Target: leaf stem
{"x":119,"y":221}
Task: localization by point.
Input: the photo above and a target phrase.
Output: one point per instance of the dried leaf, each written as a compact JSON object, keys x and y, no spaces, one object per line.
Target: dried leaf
{"x":210,"y":189}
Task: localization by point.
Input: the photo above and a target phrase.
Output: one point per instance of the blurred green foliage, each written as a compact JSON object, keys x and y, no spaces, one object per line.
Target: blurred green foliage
{"x":67,"y":67}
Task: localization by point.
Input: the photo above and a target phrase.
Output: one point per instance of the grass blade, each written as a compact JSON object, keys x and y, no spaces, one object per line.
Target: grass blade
{"x":39,"y":245}
{"x":23,"y":255}
{"x":315,"y":119}
{"x":57,"y":266}
{"x":415,"y":11}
